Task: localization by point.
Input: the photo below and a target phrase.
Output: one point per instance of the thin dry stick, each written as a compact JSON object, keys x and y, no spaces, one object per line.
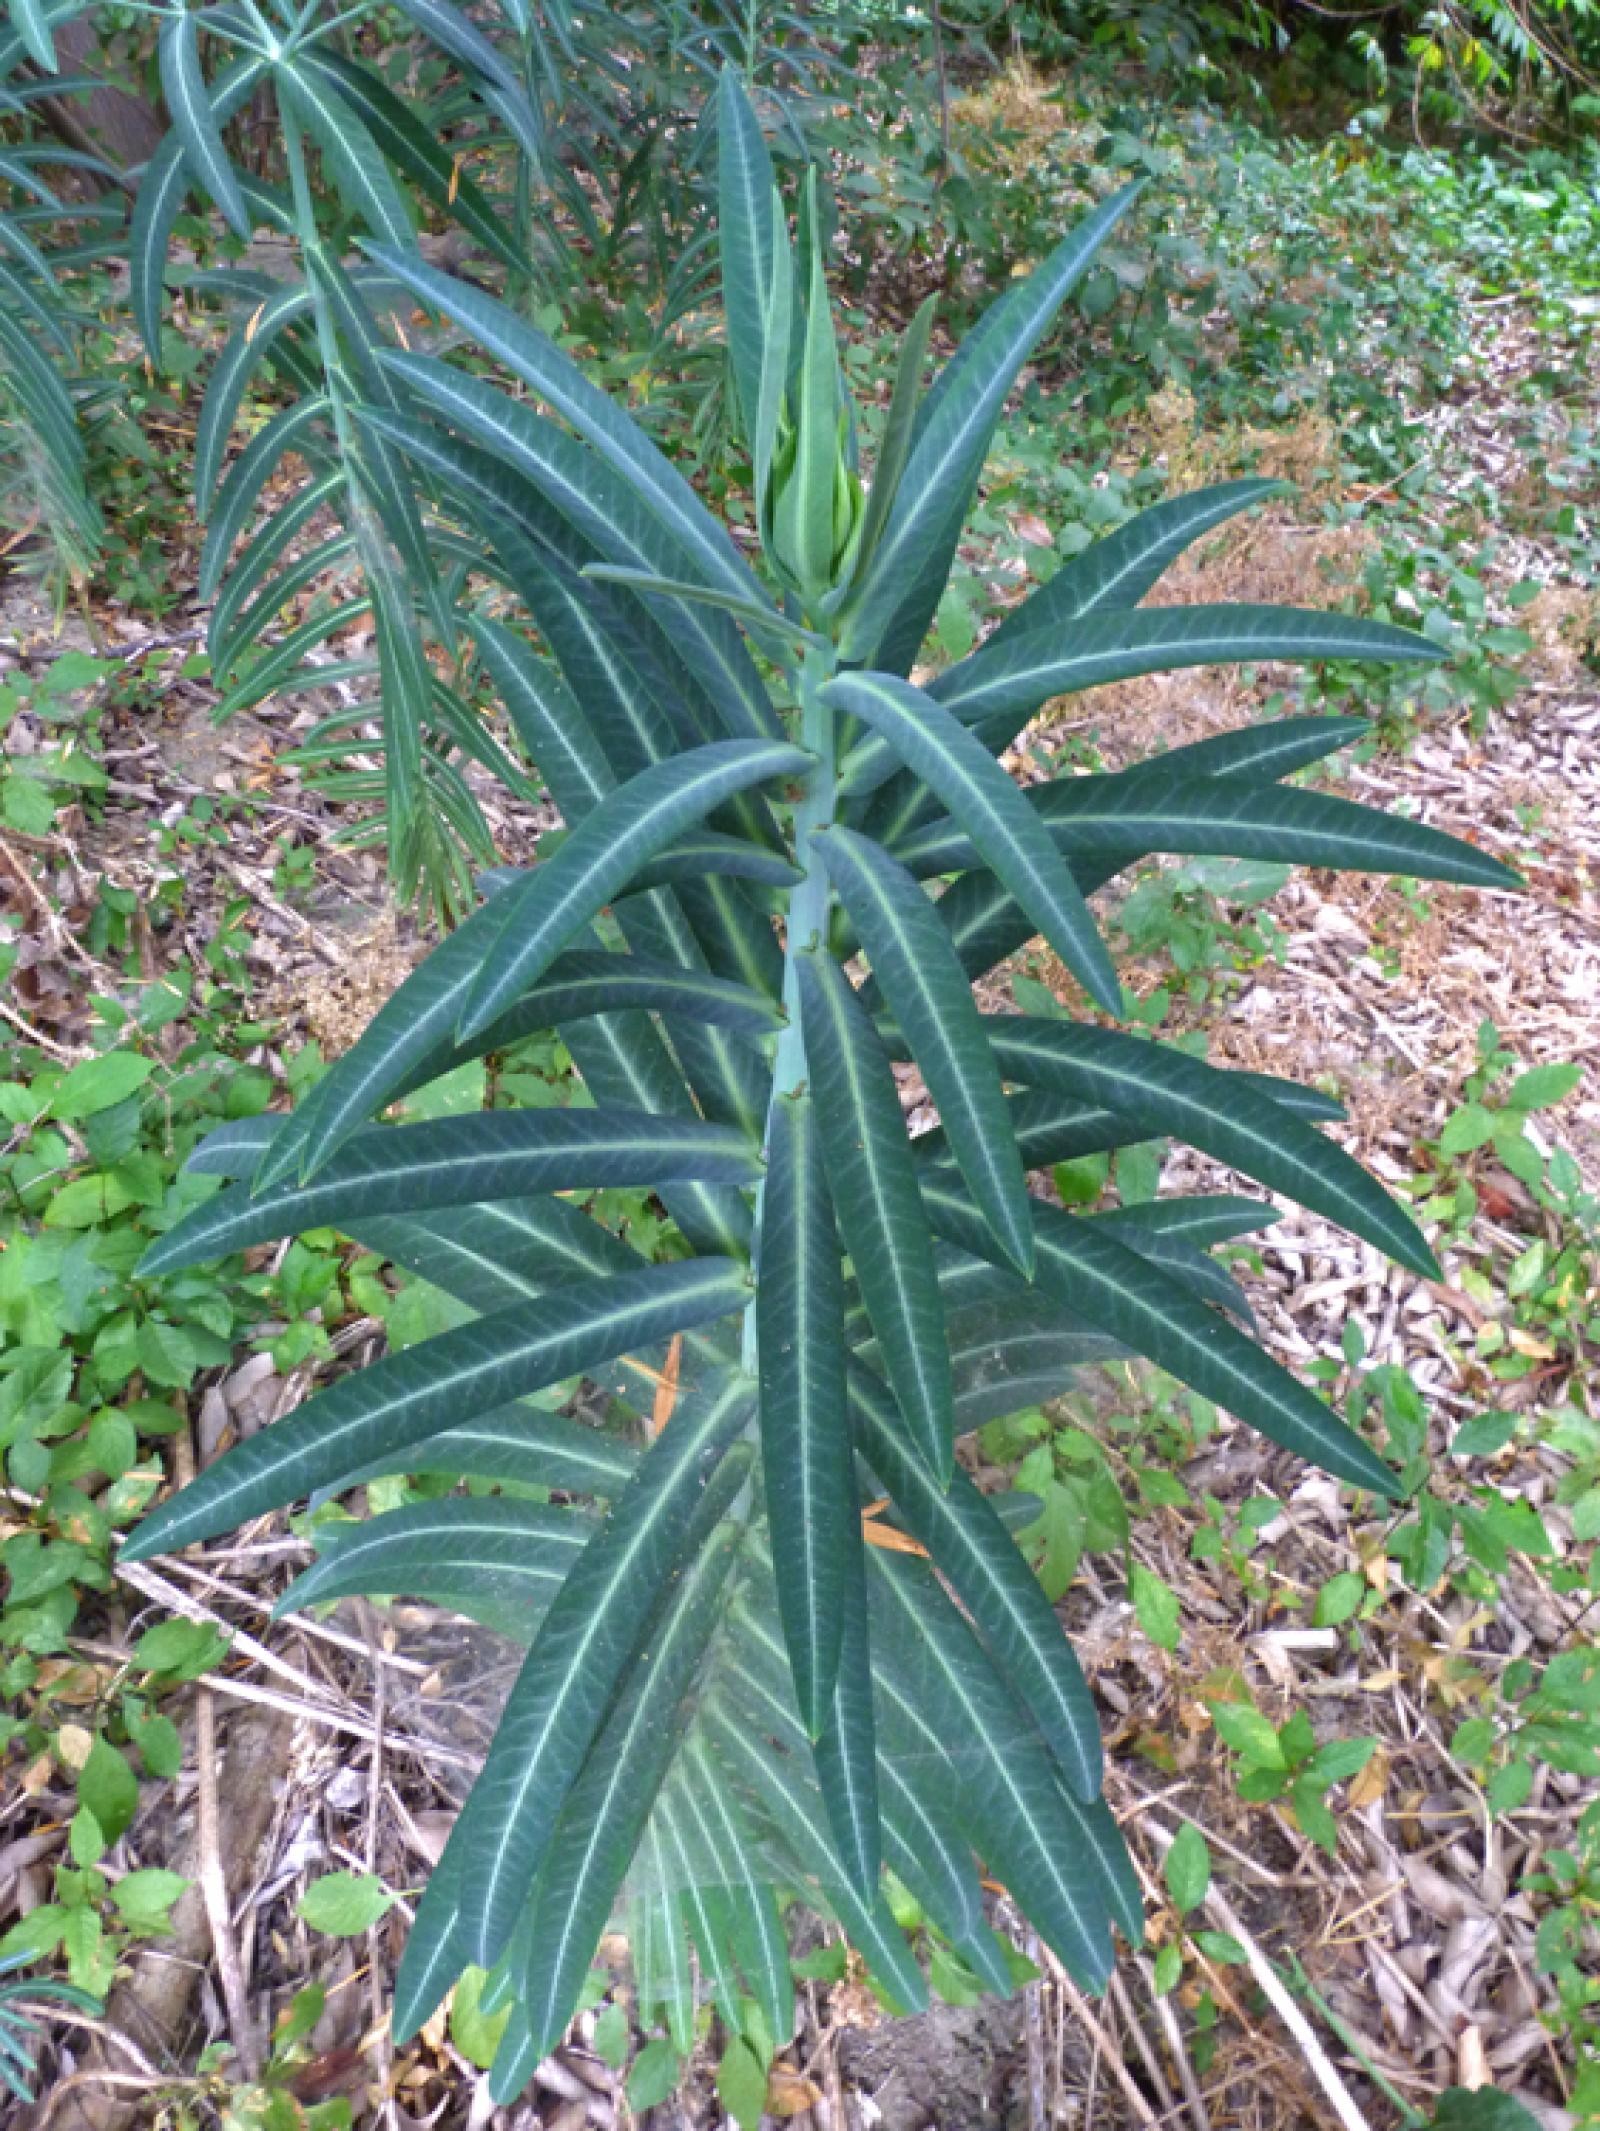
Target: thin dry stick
{"x":1141,"y":2042}
{"x":1037,"y":2118}
{"x":1143,"y":1805}
{"x":1088,"y":2020}
{"x":70,"y":1052}
{"x":386,"y":2065}
{"x":333,"y":1720}
{"x":214,"y":1886}
{"x":317,"y":1630}
{"x":242,"y":1642}
{"x":1272,"y":1987}
{"x":63,"y":2087}
{"x":1193,"y":2098}
{"x":112,"y":2037}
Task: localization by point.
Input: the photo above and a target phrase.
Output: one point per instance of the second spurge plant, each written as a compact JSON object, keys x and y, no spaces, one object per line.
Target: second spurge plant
{"x":727,"y":1691}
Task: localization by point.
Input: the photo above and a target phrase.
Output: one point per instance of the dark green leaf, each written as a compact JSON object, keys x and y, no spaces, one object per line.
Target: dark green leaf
{"x":805,"y":1436}
{"x":932,"y":1003}
{"x":184,"y":85}
{"x":873,"y":1180}
{"x":399,"y":1402}
{"x":1005,"y":830}
{"x":595,"y":1623}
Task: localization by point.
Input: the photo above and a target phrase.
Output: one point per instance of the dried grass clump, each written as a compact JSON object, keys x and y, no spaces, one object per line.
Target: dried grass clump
{"x":1564,"y":622}
{"x":1018,"y":99}
{"x":336,"y":1006}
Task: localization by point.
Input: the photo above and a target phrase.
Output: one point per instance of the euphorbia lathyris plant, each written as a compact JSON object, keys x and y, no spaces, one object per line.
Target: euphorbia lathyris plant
{"x":784,"y":866}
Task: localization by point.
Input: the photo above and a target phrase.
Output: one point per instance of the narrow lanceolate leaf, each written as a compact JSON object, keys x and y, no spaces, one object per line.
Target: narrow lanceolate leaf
{"x":423,"y":1016}
{"x":1119,"y":569}
{"x":707,"y":1921}
{"x":350,"y":156}
{"x":1003,"y":683}
{"x":983,"y":919}
{"x":930,"y":999}
{"x":805,"y":1430}
{"x":29,"y":21}
{"x":1164,"y":1091}
{"x":1261,"y":752}
{"x":434,"y":1957}
{"x":601,"y":1615}
{"x":984,"y":802}
{"x":413,"y":149}
{"x":1013,"y":1804}
{"x":237,"y":620}
{"x":246,"y":478}
{"x":540,"y":364}
{"x":238,"y":362}
{"x":458,"y":1161}
{"x":1051,"y":1128}
{"x":456,"y":34}
{"x":1144,"y":810}
{"x":405,"y":697}
{"x":403,"y":1399}
{"x":705,"y":853}
{"x":779,"y":337}
{"x":896,"y":445}
{"x":664,"y":1978}
{"x":162,"y":191}
{"x":585,"y":982}
{"x":908,"y":572}
{"x":1258,"y":752}
{"x":184,"y":86}
{"x":1097,"y":1830}
{"x":742,"y":608}
{"x":1123,"y":1293}
{"x":872,"y":1176}
{"x":748,"y":234}
{"x":789,"y":1806}
{"x":595,"y":511}
{"x":606,"y":1809}
{"x":511,"y":1554}
{"x":973,"y":1550}
{"x":723,"y":1841}
{"x":522,"y":1444}
{"x":603,"y":854}
{"x":846,"y":1748}
{"x":924,"y":1840}
{"x":845,"y":1756}
{"x":1006,"y":682}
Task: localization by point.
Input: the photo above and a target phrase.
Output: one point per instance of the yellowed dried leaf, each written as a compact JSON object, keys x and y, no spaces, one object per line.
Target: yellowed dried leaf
{"x":789,"y":2093}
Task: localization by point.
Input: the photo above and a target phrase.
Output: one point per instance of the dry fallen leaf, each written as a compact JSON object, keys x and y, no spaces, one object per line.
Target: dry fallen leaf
{"x":1472,"y":2063}
{"x":1369,"y":1784}
{"x":74,"y":1745}
{"x":789,"y":2093}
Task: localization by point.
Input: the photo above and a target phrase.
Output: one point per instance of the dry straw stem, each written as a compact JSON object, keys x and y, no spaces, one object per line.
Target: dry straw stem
{"x":1226,"y":1918}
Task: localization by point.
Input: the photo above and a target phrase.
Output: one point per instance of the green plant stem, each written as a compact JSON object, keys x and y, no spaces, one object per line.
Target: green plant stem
{"x":359,"y":13}
{"x":1298,"y":1981}
{"x":520,"y":286}
{"x":809,"y":906}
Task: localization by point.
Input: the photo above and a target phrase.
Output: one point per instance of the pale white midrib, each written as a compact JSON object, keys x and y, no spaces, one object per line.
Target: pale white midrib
{"x":357,"y":1552}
